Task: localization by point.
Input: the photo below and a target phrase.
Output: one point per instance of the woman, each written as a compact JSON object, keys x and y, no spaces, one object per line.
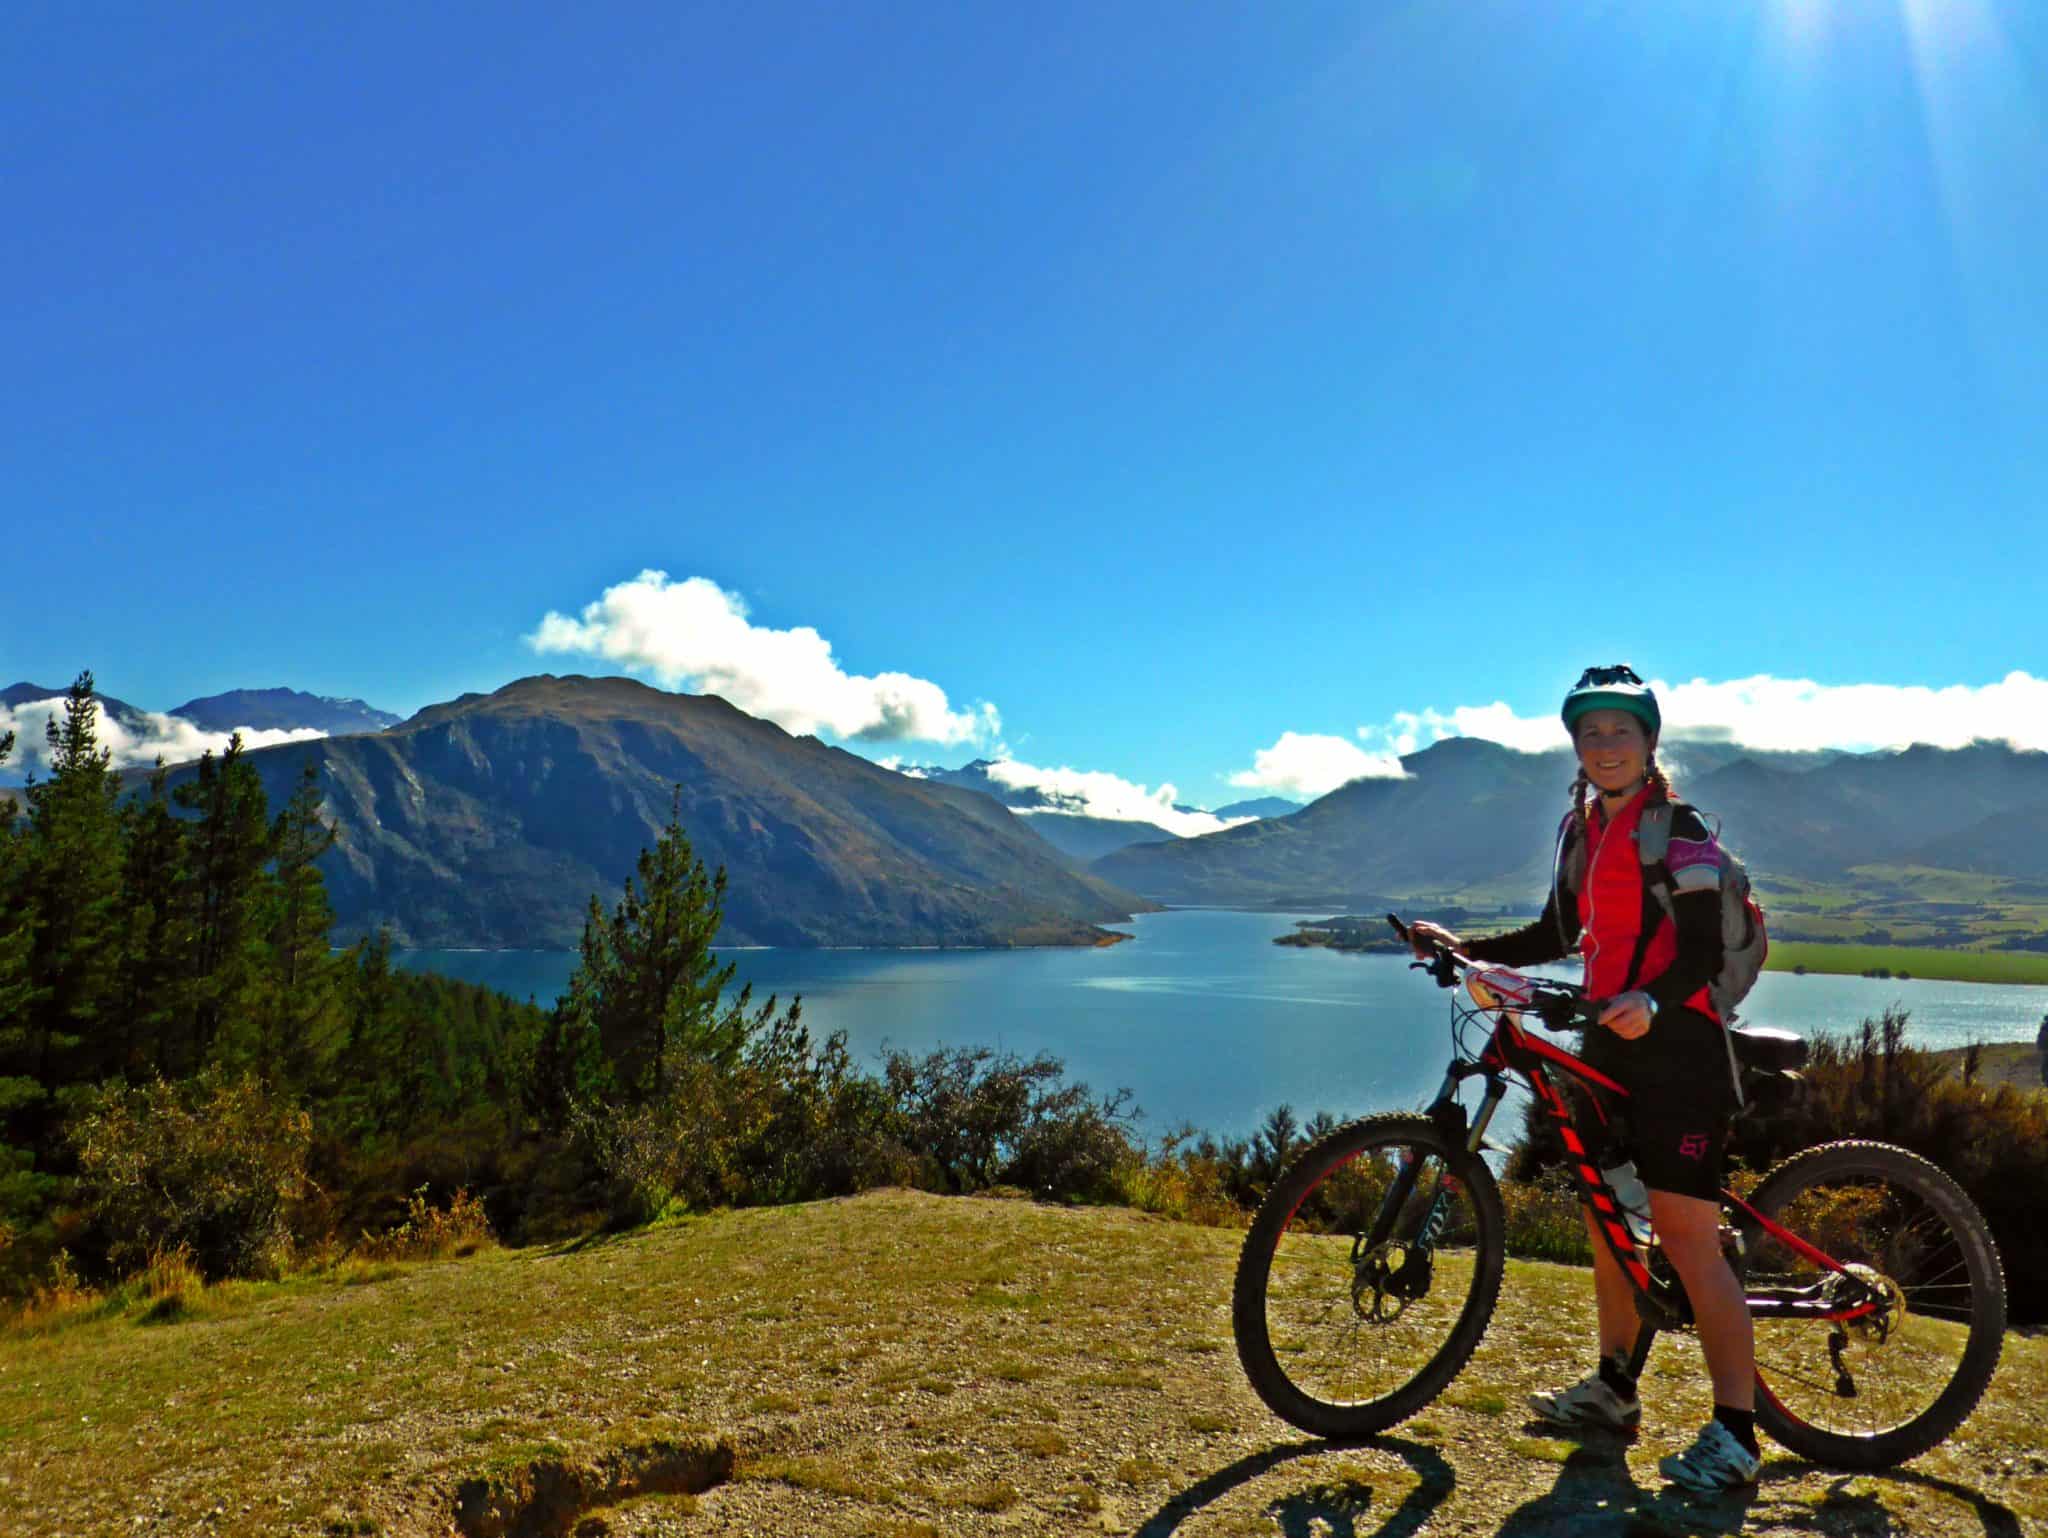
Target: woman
{"x":1658,"y":1036}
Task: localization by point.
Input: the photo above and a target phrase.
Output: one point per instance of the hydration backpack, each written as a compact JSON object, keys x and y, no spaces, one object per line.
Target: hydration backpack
{"x":1744,"y":942}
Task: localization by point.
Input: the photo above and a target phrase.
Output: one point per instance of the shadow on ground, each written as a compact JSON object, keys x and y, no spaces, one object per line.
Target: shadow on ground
{"x":1595,"y":1496}
{"x":1842,"y":1509}
{"x":1342,"y":1510}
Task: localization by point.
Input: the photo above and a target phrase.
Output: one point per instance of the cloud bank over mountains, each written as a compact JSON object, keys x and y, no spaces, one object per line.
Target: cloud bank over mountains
{"x":694,"y":633}
{"x":1774,"y":714}
{"x":1092,"y":793}
{"x":1314,"y":764}
{"x":138,"y":739}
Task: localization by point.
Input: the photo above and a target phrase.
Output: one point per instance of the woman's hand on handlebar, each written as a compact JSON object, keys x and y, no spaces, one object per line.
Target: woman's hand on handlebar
{"x":1426,"y":939}
{"x":1626,"y":1014}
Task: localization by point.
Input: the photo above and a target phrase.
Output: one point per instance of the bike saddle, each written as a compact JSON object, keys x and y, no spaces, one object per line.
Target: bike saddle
{"x":1767,"y":1050}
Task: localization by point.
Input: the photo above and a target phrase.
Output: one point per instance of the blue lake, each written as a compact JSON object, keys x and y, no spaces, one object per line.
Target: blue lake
{"x":1207,"y":1021}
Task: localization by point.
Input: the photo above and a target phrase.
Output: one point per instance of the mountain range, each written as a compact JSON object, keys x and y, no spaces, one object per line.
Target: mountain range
{"x":491,"y":820}
{"x":1472,"y":820}
{"x":248,"y":710}
{"x":283,"y":710}
{"x":133,"y":718}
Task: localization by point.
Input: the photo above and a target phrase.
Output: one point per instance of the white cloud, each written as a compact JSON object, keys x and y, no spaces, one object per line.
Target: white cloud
{"x":1413,"y":730}
{"x":1309,"y":764}
{"x":1797,"y":714}
{"x":1783,"y":714}
{"x":172,"y":738}
{"x":1094,"y":793}
{"x":695,"y":633}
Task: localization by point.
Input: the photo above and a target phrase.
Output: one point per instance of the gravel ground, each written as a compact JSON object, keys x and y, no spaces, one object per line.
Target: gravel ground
{"x":901,"y":1364}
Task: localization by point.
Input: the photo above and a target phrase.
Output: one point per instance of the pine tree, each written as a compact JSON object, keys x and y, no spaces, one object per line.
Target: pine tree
{"x":74,"y":872}
{"x":298,"y":1011}
{"x":569,"y":1067}
{"x":227,"y":846}
{"x":384,"y":1083}
{"x":157,"y":928}
{"x":16,"y":991}
{"x":647,"y":984}
{"x":23,"y":1191}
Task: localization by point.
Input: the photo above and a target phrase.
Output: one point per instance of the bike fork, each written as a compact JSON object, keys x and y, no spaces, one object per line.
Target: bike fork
{"x":1446,"y":1111}
{"x":1449,"y":1114}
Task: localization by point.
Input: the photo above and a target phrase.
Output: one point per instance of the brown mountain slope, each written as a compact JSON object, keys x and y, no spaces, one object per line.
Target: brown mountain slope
{"x":490,"y":820}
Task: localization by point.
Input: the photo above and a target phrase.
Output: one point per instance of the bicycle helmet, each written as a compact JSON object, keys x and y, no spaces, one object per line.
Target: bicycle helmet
{"x":1613,"y":688}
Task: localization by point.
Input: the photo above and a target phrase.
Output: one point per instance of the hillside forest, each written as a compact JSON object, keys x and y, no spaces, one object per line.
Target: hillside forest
{"x":190,"y":1069}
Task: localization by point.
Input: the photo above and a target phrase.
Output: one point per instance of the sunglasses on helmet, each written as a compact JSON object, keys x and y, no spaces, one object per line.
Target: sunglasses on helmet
{"x":1594,"y":678}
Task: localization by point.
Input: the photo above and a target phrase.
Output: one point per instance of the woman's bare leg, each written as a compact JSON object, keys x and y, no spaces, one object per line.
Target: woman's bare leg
{"x":1614,"y":1297}
{"x":1689,"y":1230}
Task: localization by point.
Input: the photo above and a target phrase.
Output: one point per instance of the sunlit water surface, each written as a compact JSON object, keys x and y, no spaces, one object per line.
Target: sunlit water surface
{"x":1207,"y":1021}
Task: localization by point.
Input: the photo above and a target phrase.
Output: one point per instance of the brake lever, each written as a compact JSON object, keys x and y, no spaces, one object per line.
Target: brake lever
{"x":1440,"y":968}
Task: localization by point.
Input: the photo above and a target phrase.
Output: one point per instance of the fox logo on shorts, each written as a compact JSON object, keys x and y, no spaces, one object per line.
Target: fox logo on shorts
{"x":1693,"y":1145}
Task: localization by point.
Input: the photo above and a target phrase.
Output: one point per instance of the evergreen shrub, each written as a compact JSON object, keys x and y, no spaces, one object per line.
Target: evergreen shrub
{"x":210,"y":1165}
{"x":973,"y":1119}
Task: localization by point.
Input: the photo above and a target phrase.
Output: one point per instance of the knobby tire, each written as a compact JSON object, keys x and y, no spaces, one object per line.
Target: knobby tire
{"x":1958,"y":1294}
{"x":1322,"y":1178}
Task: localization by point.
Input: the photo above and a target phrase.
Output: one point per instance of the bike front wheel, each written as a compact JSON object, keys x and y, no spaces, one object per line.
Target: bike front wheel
{"x":1368,"y":1276}
{"x":1871,"y":1392}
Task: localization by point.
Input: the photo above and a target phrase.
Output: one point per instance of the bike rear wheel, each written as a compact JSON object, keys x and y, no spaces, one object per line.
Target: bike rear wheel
{"x":1871,"y":1393}
{"x":1368,"y":1276}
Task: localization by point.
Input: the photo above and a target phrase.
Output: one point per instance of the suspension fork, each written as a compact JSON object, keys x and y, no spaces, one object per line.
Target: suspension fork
{"x":1449,"y":1116}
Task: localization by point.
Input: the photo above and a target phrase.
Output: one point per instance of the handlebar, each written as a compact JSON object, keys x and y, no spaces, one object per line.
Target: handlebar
{"x":1559,"y":1006}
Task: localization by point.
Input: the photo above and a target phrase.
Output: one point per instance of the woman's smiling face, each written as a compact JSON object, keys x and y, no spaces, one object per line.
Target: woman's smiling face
{"x":1613,"y":750}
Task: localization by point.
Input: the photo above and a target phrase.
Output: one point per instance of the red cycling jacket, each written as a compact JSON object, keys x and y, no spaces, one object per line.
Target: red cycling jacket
{"x":1611,"y":903}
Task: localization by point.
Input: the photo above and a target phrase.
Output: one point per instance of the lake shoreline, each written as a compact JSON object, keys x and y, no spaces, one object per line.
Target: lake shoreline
{"x":1816,"y":958}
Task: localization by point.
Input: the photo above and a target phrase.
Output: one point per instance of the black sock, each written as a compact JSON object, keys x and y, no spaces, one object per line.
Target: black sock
{"x":1742,"y":1424}
{"x":1615,"y":1376}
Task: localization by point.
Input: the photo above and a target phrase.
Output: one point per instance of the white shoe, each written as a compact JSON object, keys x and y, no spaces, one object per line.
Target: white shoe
{"x":1588,"y":1403}
{"x":1714,"y":1462}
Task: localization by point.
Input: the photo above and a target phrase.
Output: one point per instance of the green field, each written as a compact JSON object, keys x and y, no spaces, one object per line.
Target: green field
{"x":1910,"y":961}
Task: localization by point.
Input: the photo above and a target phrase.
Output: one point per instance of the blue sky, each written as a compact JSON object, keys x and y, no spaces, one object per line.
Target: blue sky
{"x":1168,"y":378}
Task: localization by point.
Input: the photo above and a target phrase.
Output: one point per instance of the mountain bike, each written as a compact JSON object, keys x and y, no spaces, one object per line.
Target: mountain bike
{"x":1374,"y":1263}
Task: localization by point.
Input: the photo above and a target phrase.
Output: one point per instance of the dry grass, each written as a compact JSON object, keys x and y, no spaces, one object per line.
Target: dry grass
{"x":432,"y":1233}
{"x":814,"y":1337}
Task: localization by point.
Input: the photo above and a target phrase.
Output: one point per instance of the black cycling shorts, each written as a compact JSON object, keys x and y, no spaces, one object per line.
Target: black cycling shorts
{"x":1680,"y":1098}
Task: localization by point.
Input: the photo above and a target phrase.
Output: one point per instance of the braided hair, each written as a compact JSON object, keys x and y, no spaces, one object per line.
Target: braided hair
{"x":1657,"y":782}
{"x":1582,"y":804}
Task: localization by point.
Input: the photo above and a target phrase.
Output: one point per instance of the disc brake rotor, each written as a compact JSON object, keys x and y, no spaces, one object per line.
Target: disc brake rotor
{"x":1386,"y":1279}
